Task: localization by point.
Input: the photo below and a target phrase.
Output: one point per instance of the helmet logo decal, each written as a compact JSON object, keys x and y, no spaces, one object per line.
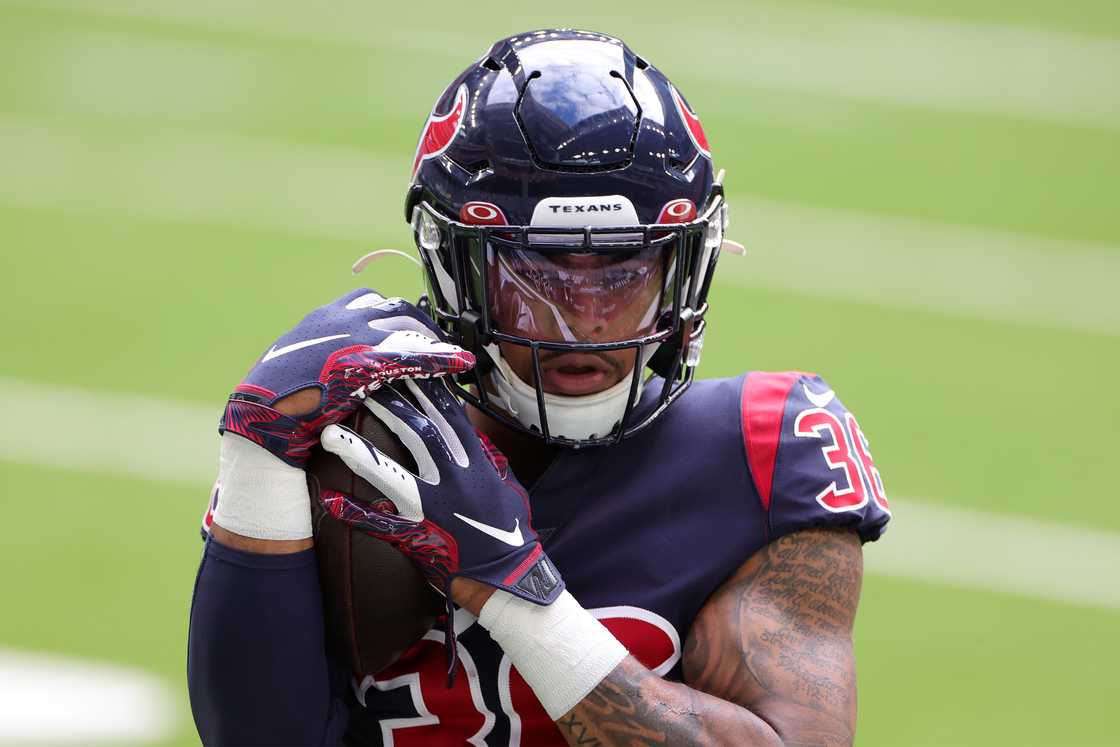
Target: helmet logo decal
{"x":592,"y":210}
{"x":692,"y":122}
{"x":482,"y":214}
{"x":678,"y":211}
{"x":439,"y":131}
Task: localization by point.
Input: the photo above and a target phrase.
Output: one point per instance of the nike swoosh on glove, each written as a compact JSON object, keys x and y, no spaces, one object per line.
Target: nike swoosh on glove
{"x":346,"y":349}
{"x":464,"y":514}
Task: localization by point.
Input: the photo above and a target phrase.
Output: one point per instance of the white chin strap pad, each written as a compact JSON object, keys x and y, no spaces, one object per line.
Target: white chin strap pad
{"x":593,"y":415}
{"x":577,"y":418}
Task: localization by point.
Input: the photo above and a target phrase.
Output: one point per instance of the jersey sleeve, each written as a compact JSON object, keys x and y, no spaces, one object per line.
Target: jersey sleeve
{"x":809,"y":458}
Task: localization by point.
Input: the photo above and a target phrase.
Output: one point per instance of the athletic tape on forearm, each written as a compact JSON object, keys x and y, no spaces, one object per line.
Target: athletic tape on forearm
{"x":260,"y":496}
{"x":561,"y":650}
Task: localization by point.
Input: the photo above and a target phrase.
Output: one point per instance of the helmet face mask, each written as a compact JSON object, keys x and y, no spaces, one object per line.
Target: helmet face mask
{"x":603,"y":271}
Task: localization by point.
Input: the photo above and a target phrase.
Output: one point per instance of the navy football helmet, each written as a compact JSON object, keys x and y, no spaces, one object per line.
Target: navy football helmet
{"x":564,"y":204}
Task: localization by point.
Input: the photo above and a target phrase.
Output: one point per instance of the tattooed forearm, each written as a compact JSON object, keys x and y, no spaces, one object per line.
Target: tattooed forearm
{"x":633,"y":706}
{"x":776,"y":638}
{"x":770,"y":658}
{"x":572,"y":727}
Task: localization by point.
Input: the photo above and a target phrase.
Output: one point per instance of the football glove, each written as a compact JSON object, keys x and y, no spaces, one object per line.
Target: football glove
{"x":341,"y":353}
{"x":464,"y":514}
{"x":347,"y":350}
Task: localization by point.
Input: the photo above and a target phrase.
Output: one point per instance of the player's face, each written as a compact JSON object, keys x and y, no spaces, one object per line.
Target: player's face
{"x":576,"y":297}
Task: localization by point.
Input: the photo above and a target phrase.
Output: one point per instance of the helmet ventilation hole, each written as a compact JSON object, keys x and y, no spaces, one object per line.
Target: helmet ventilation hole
{"x":477,"y":167}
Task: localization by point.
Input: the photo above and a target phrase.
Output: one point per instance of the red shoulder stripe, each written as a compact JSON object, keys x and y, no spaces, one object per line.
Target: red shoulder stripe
{"x":763,"y":403}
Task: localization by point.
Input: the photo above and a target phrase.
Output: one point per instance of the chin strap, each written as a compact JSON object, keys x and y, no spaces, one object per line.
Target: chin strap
{"x":589,"y":416}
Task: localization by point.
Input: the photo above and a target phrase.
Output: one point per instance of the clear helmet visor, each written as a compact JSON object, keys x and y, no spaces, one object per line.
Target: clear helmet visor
{"x":551,"y":295}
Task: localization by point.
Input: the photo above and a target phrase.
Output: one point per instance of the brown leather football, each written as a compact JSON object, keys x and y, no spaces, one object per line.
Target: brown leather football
{"x":376,"y":602}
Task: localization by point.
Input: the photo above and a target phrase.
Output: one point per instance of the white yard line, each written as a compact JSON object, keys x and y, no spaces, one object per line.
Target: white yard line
{"x":156,"y":439}
{"x":340,"y":193}
{"x":205,"y":82}
{"x":861,"y":55}
{"x":103,"y":432}
{"x":314,"y":190}
{"x":925,"y":265}
{"x":51,"y":699}
{"x":974,"y":549}
{"x":913,"y":61}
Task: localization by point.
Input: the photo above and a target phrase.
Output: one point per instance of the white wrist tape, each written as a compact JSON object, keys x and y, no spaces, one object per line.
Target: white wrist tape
{"x":259,"y":495}
{"x":561,"y":650}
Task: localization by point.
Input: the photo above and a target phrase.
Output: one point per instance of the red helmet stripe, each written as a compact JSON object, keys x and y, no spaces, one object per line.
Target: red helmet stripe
{"x":440,"y":130}
{"x":695,"y":129}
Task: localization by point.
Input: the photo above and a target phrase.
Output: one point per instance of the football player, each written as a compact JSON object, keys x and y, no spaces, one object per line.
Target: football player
{"x":660,"y":561}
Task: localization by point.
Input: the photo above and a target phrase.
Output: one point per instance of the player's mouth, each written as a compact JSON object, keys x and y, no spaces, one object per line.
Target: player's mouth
{"x":577,"y":374}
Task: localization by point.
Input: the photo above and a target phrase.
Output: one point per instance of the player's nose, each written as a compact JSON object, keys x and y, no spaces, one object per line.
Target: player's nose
{"x":589,"y":316}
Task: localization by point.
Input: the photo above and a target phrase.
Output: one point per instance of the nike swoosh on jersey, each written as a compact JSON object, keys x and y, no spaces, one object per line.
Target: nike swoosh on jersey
{"x":276,"y":352}
{"x":512,"y":537}
{"x":819,"y":400}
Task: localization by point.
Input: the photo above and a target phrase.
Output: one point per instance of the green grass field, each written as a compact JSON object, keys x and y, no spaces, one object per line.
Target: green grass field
{"x":928,"y":192}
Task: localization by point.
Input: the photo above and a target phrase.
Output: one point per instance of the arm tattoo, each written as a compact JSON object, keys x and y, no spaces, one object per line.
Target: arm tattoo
{"x":768,"y":661}
{"x":776,"y":637}
{"x":633,"y":706}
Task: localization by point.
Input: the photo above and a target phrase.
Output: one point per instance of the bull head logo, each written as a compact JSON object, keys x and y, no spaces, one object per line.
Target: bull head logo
{"x":692,"y":122}
{"x":440,"y":130}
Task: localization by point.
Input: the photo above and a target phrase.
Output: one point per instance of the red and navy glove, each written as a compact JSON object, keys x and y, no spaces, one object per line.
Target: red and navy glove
{"x":464,"y":514}
{"x":346,"y":350}
{"x":335,"y":357}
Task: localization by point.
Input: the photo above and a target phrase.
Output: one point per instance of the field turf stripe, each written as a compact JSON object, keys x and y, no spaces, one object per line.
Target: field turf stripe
{"x":225,"y":179}
{"x":161,"y":439}
{"x":861,"y":55}
{"x":53,"y":699}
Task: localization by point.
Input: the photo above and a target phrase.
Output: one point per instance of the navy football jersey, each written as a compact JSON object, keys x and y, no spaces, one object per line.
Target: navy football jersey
{"x":643,"y":533}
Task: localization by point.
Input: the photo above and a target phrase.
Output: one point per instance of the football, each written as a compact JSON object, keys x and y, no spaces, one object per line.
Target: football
{"x":375,"y":601}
